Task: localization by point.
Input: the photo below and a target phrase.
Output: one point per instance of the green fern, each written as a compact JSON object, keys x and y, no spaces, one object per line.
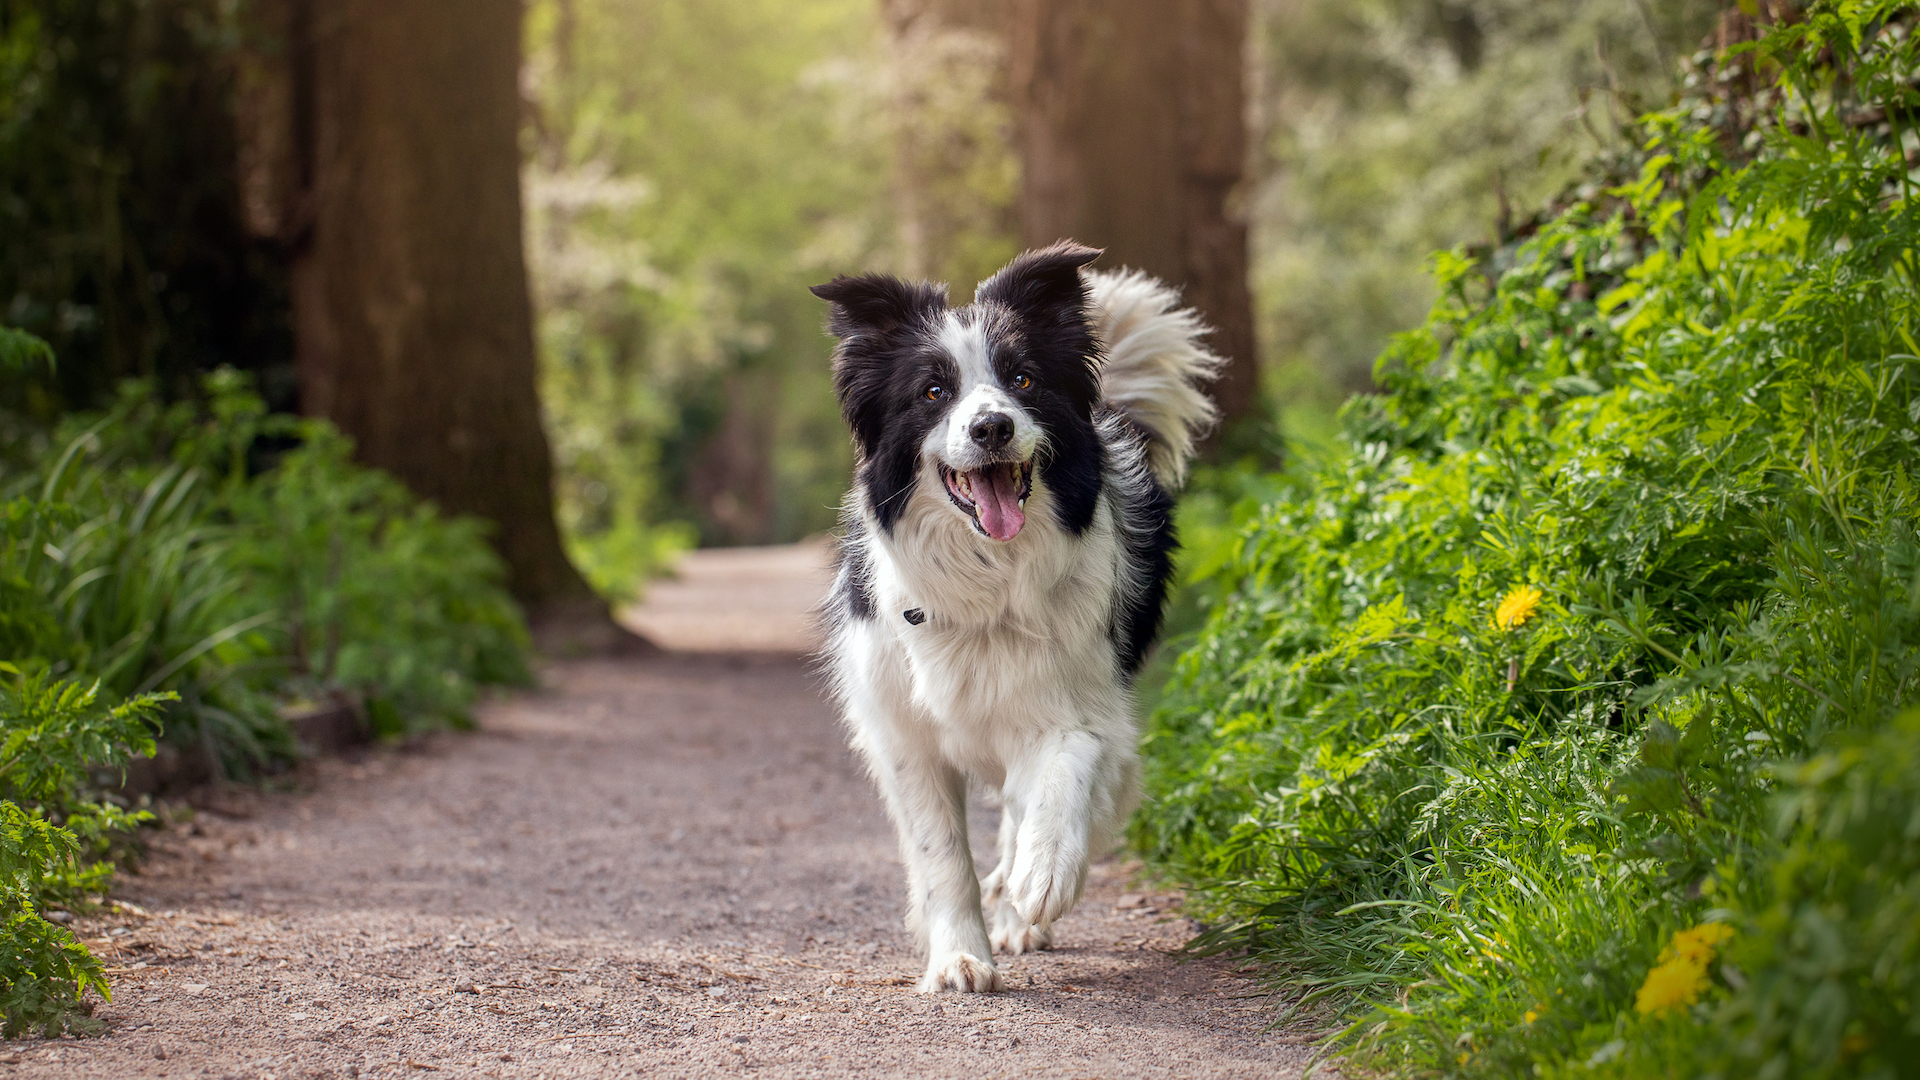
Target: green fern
{"x":52,"y":732}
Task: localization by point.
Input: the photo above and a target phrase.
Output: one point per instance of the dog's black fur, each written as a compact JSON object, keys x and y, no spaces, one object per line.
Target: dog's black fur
{"x":1035,"y":315}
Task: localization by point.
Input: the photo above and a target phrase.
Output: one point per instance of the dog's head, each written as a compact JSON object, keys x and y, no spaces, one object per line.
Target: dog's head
{"x":987,"y":400}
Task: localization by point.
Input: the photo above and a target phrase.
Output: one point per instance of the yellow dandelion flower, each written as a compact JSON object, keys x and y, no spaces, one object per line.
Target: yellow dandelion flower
{"x":1681,"y":974}
{"x":1679,"y":981}
{"x":1532,"y":1016}
{"x":1698,"y":944}
{"x":1516,"y":607}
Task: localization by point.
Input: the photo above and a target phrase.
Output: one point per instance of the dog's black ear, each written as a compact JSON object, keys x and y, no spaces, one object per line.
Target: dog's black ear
{"x":875,"y":316}
{"x":1047,"y":295}
{"x":1042,"y":285}
{"x":878,"y":304}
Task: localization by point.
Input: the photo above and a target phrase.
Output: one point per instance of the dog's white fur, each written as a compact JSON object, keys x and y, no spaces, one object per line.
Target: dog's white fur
{"x":1012,"y":682}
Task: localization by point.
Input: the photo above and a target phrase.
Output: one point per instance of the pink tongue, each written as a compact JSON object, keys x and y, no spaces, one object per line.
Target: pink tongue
{"x":996,"y":493}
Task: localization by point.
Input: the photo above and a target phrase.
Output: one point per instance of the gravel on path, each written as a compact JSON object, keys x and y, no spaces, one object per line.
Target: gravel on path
{"x":666,"y":868}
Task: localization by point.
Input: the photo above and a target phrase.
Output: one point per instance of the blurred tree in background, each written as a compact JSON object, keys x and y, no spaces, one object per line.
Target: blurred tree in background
{"x":182,"y":181}
{"x":692,"y":167}
{"x":1379,"y":131}
{"x":380,"y":147}
{"x":121,"y":238}
{"x":1393,"y":128}
{"x":1122,"y":124}
{"x":1133,"y":137}
{"x":956,"y":174}
{"x":688,"y":167}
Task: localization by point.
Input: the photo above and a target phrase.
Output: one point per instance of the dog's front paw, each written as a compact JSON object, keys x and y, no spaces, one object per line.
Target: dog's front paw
{"x":960,"y":971}
{"x":1014,"y":935}
{"x":1046,"y":882}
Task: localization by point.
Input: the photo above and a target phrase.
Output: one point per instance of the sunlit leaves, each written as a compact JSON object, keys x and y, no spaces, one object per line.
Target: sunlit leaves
{"x":1710,"y":470}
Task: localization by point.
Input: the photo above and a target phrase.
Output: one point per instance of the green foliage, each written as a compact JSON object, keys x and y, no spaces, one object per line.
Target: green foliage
{"x":1836,"y":955}
{"x":54,"y":732}
{"x":159,"y":557}
{"x":1395,"y":127}
{"x":148,"y":548}
{"x":376,"y":593}
{"x":45,"y":971}
{"x":1687,"y":412}
{"x":951,"y":121}
{"x":21,"y":352}
{"x":115,"y":541}
{"x":619,"y":559}
{"x":696,"y":166}
{"x":120,"y":200}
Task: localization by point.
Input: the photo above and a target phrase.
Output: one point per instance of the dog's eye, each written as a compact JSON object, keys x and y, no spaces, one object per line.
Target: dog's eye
{"x":935,"y":393}
{"x":1022,"y":382}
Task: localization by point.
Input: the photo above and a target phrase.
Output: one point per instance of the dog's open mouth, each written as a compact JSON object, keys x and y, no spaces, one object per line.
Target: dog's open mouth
{"x":994,"y":496}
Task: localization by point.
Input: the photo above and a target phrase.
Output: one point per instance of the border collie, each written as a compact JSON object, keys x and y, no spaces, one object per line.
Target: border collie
{"x":1004,"y":565}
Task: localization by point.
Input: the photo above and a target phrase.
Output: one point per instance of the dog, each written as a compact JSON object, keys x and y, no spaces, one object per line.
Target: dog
{"x":1006,"y":551}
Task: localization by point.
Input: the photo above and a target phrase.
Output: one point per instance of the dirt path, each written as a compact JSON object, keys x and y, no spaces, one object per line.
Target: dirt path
{"x":664,"y":868}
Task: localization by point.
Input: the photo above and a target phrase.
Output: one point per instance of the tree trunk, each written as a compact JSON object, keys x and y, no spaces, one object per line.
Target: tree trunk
{"x":1133,"y":137}
{"x":414,"y":329}
{"x":955,"y":184}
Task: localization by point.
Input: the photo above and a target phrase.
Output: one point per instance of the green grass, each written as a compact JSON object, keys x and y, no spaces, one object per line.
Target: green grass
{"x":1685,"y":411}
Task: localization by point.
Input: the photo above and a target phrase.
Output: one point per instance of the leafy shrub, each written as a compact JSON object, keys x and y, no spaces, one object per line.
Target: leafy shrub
{"x":119,"y":551}
{"x":148,"y":548}
{"x":1836,"y":952}
{"x":619,"y":561}
{"x":1675,"y":432}
{"x":150,"y":557}
{"x":54,"y":732}
{"x":376,"y":593}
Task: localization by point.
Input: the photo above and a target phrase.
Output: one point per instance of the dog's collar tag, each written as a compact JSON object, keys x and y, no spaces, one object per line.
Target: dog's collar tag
{"x":914,"y":616}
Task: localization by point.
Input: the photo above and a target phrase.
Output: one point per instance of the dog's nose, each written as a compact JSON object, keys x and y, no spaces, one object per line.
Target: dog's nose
{"x":991,"y":430}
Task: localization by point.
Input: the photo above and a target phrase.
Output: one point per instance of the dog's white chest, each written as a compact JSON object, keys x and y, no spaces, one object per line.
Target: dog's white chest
{"x":1000,"y":653}
{"x":1011,"y":674}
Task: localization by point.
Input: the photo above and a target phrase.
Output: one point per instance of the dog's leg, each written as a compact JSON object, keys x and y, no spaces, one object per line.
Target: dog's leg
{"x":1056,"y":793}
{"x":927,"y":799}
{"x":994,"y":887}
{"x":1012,"y":933}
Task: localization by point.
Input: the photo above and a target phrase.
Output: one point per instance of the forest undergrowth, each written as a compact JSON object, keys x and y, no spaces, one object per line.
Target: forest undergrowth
{"x":192,"y":571}
{"x":1562,"y":722}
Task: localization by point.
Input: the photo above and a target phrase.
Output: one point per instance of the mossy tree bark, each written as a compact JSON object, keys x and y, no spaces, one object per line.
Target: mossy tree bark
{"x":1132,"y":130}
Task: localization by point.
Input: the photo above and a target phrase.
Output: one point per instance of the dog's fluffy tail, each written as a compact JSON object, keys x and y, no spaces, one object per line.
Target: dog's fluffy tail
{"x":1156,"y":364}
